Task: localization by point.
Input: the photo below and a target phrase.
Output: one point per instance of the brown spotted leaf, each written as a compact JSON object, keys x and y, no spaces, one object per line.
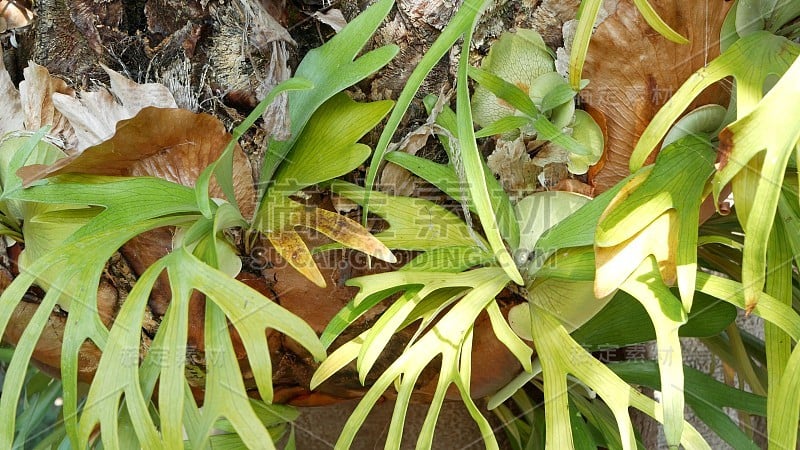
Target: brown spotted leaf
{"x":633,"y":71}
{"x":291,"y":247}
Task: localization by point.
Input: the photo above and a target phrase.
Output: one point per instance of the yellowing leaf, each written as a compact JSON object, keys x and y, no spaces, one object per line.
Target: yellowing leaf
{"x":657,"y":215}
{"x":292,"y":248}
{"x":414,"y":223}
{"x":616,"y":263}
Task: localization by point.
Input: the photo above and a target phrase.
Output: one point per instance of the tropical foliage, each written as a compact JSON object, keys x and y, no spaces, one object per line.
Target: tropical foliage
{"x":630,"y":265}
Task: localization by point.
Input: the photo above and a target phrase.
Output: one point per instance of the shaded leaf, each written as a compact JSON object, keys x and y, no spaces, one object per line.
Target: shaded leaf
{"x":328,"y":145}
{"x":517,"y":57}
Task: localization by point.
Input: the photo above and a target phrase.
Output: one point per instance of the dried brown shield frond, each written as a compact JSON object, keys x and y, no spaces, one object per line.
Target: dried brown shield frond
{"x":634,"y":71}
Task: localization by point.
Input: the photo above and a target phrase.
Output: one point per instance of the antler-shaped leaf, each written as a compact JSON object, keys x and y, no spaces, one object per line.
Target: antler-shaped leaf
{"x":82,"y":258}
{"x":657,"y":214}
{"x":249,"y":312}
{"x":667,"y":316}
{"x":758,"y":177}
{"x":450,"y":337}
{"x":560,"y":355}
{"x":331,"y":68}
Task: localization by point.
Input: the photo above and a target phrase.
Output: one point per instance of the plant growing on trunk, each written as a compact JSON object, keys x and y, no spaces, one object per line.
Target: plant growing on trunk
{"x":555,"y":269}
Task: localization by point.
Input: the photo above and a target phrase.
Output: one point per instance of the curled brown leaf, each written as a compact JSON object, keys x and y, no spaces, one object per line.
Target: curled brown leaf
{"x":172,"y":144}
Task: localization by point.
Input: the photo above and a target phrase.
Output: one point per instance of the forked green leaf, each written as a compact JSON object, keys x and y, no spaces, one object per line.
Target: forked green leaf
{"x":668,"y":199}
{"x":82,"y":258}
{"x":741,"y":146}
{"x":451,"y":338}
{"x":328,"y":145}
{"x":472,"y":160}
{"x":560,"y":356}
{"x":330,"y":68}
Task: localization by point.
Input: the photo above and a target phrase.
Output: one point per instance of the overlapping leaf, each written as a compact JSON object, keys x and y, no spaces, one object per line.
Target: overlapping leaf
{"x":330,"y":68}
{"x":657,"y":214}
{"x":561,"y":355}
{"x":81,"y":259}
{"x":450,"y":337}
{"x":249,"y":313}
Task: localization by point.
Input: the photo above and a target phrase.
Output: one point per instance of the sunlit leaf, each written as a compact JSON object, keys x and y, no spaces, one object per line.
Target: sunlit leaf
{"x":560,"y":356}
{"x":749,"y":60}
{"x":471,"y":160}
{"x":667,"y":315}
{"x":657,"y":216}
{"x":741,"y":145}
{"x":450,"y":337}
{"x":631,"y":82}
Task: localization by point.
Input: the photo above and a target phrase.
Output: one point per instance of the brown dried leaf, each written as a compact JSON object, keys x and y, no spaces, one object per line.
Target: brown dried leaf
{"x":14,"y":14}
{"x":173,"y":144}
{"x":633,"y":71}
{"x":94,"y":115}
{"x":517,"y":172}
{"x":333,"y":18}
{"x":396,"y":180}
{"x":36,"y":93}
{"x":573,"y":185}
